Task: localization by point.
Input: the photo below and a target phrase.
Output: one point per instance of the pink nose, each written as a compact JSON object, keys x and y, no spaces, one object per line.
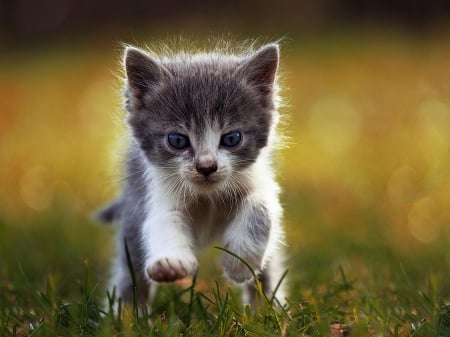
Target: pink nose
{"x":206,"y":169}
{"x":206,"y":165}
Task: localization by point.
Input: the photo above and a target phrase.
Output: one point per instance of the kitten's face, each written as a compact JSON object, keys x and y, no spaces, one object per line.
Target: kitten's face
{"x":203,"y":120}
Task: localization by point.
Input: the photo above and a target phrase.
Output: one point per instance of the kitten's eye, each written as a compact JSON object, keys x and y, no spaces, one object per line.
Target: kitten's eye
{"x":231,"y":139}
{"x":178,"y":141}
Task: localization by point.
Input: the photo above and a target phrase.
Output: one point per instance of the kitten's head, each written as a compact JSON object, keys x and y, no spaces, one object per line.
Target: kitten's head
{"x":202,"y":118}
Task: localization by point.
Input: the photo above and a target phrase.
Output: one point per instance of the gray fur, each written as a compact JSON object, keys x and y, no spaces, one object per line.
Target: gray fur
{"x":259,"y":224}
{"x":195,"y":92}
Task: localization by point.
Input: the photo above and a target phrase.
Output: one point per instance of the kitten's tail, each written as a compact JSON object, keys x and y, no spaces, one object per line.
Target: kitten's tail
{"x":109,"y":213}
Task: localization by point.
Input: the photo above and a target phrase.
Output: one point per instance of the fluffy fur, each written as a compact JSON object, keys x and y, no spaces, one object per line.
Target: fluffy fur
{"x":187,"y":182}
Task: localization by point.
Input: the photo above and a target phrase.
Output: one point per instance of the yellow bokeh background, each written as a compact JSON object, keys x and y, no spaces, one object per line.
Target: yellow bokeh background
{"x":367,"y":119}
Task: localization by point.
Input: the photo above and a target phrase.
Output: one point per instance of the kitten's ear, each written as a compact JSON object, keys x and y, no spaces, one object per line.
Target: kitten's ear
{"x":261,"y":67}
{"x":143,"y":72}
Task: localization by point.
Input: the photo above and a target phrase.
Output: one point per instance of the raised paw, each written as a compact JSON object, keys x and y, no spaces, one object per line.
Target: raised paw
{"x":169,"y":269}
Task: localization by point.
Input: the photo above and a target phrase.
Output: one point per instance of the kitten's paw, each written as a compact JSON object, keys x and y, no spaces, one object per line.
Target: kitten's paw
{"x":235,"y":270}
{"x":171,"y":268}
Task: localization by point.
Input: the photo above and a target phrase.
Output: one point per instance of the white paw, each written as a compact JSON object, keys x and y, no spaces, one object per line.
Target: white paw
{"x":171,"y":268}
{"x":236,"y":270}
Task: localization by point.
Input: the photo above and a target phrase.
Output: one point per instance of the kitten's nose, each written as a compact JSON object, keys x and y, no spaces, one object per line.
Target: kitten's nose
{"x":206,"y":165}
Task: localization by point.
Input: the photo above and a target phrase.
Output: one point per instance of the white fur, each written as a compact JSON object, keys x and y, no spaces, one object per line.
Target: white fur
{"x":167,"y":236}
{"x":171,"y":233}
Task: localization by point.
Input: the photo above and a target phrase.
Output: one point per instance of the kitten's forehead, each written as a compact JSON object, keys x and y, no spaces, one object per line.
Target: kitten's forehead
{"x":203,"y":92}
{"x":206,"y":138}
{"x":203,"y":75}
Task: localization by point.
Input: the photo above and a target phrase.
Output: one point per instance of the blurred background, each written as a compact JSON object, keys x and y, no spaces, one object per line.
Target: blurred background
{"x":367,"y":87}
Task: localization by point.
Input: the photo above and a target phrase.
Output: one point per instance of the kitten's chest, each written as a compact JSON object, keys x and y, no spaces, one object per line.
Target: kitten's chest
{"x":208,"y":220}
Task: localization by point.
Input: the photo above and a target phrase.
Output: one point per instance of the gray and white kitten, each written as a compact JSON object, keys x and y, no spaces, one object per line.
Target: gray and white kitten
{"x":203,"y":131}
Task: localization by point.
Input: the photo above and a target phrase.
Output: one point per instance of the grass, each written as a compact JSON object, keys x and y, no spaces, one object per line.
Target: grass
{"x":366,"y":194}
{"x":53,"y":285}
{"x":372,"y":289}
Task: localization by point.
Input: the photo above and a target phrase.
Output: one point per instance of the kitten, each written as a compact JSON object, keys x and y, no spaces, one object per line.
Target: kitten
{"x":203,"y":131}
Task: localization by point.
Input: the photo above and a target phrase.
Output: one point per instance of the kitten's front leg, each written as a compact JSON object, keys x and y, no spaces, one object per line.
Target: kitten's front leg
{"x":247,"y":236}
{"x":168,"y":246}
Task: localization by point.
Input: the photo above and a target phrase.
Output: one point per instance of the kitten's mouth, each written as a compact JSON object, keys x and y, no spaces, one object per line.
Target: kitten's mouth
{"x":206,"y":182}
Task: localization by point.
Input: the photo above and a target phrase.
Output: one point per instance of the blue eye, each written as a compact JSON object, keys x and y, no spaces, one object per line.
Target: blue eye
{"x":231,"y":139}
{"x":178,"y":141}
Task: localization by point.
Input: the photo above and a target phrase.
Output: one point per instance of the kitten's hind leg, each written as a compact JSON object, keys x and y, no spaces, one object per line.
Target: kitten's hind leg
{"x":133,"y":292}
{"x":129,"y":291}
